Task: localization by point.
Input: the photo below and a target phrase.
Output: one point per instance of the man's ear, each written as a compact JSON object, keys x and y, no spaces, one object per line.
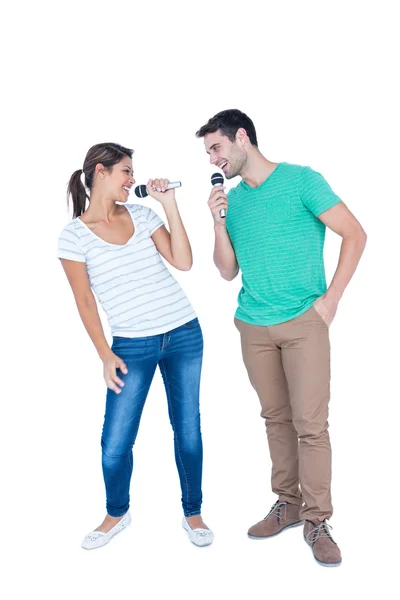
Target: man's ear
{"x":241,"y":136}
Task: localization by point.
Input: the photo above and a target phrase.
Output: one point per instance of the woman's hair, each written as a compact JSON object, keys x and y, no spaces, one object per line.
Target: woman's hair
{"x":108,"y":155}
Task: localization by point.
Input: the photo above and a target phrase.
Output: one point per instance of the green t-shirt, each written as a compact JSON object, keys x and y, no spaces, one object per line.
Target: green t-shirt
{"x":278,"y":242}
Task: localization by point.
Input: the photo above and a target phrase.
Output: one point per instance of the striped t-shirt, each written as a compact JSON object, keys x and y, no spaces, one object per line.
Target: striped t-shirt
{"x":136,"y":290}
{"x":278,"y":242}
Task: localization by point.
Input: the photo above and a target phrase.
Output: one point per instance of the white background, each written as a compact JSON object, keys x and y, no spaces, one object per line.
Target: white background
{"x":319,"y":81}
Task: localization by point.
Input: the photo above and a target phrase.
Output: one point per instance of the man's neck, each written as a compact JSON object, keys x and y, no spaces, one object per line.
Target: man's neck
{"x":257,"y":169}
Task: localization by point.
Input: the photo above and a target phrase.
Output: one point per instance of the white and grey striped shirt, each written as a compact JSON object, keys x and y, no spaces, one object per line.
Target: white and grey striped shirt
{"x":138,"y":293}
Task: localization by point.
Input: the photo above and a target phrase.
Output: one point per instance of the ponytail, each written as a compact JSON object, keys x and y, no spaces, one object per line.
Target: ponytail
{"x":77,"y":191}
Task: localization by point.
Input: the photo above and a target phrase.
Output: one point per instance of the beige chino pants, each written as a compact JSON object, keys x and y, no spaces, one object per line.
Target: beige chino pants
{"x":289,"y":367}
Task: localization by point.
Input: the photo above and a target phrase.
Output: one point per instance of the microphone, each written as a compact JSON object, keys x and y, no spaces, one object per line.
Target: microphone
{"x":218,"y":179}
{"x":141,"y":192}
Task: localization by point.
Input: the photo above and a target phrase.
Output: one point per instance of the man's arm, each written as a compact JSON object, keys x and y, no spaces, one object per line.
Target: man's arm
{"x":224,"y":254}
{"x":340,"y":220}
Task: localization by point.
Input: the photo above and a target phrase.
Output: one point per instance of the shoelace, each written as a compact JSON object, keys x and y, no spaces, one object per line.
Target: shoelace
{"x":320,"y":531}
{"x":276,"y":510}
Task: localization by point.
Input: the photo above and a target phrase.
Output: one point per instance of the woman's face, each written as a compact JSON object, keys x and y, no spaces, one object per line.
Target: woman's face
{"x":118,"y":181}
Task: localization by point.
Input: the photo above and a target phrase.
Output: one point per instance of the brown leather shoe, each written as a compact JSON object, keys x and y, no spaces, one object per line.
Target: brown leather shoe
{"x":281,"y":516}
{"x":325,"y":549}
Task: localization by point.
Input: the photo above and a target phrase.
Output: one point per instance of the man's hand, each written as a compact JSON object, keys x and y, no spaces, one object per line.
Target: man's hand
{"x":326,"y":306}
{"x":218,"y":199}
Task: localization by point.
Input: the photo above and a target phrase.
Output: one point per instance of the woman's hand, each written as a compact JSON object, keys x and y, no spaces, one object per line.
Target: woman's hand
{"x":110,"y":365}
{"x":157,"y":189}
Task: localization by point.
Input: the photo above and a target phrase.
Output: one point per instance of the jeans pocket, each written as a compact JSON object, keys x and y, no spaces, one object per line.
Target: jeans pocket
{"x":191,"y":324}
{"x":129,"y":348}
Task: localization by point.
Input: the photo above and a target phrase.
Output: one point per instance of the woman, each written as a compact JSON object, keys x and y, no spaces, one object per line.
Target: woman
{"x":114,"y":250}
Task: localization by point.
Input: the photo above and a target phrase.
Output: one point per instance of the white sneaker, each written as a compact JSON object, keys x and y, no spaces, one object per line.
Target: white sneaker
{"x":95,"y":539}
{"x":199,"y":536}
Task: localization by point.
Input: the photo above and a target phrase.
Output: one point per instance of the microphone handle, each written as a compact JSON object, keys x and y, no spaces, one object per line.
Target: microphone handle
{"x":173,"y":184}
{"x":222,"y":212}
{"x":141,"y":192}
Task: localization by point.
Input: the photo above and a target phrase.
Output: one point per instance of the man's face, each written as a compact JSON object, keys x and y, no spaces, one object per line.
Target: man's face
{"x":226,"y":155}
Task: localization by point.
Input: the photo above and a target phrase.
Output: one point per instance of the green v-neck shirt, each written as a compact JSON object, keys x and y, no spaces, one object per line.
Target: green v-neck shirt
{"x":278,"y":241}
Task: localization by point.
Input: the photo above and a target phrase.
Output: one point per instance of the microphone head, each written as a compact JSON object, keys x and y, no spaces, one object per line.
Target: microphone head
{"x":140,"y":191}
{"x":217,"y":179}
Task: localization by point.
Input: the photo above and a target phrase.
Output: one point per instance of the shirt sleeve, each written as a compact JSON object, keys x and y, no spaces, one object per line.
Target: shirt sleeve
{"x":69,"y":245}
{"x":315,"y":192}
{"x":153,"y":220}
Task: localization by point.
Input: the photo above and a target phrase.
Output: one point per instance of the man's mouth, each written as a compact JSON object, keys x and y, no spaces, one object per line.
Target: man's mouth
{"x":126,"y":188}
{"x":223,"y":165}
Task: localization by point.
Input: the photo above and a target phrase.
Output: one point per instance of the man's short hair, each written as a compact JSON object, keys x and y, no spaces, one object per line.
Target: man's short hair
{"x":228,"y":122}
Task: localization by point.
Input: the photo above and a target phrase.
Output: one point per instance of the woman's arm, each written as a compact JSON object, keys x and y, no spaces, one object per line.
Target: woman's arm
{"x":76,"y":273}
{"x":173,"y":245}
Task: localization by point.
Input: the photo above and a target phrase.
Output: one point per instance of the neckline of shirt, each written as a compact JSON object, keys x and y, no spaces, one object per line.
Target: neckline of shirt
{"x":265,"y":182}
{"x":110,"y":243}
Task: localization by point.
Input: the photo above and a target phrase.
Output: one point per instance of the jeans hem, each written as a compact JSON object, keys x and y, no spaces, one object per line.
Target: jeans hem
{"x":117,"y":513}
{"x":193,"y":513}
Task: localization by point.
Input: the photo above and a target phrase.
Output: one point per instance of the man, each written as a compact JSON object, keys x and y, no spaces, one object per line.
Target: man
{"x":274,"y":233}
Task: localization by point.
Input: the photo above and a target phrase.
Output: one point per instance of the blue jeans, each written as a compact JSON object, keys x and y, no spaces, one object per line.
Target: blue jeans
{"x":179,"y":355}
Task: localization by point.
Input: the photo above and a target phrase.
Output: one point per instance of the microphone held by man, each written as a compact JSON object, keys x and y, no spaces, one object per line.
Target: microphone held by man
{"x":218,"y":201}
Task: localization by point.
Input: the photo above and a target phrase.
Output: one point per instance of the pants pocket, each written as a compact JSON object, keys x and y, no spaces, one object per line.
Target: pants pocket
{"x":191,"y":324}
{"x":319,"y":316}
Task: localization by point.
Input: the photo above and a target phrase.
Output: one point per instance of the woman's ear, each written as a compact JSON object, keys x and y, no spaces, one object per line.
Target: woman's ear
{"x":100,"y":170}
